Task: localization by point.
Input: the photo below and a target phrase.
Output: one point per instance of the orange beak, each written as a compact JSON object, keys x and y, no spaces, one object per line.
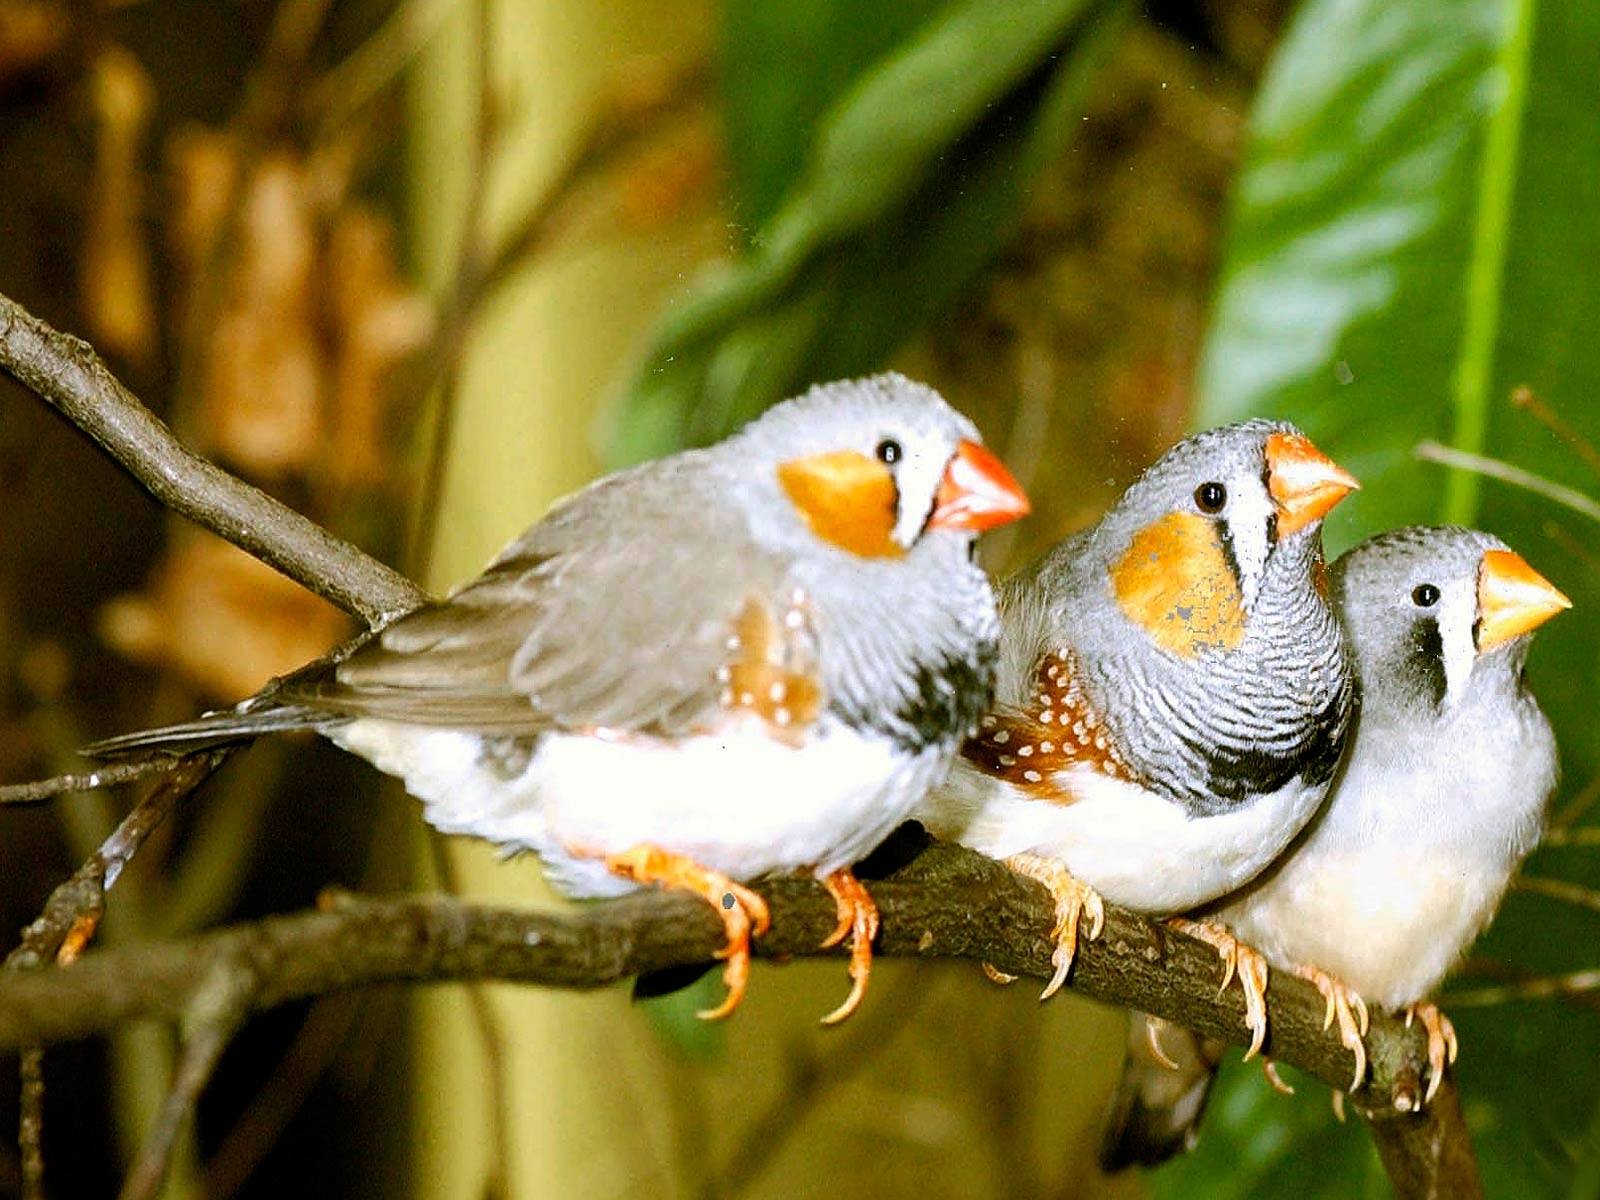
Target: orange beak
{"x":977,"y":492}
{"x":1513,"y":599}
{"x":1305,"y":483}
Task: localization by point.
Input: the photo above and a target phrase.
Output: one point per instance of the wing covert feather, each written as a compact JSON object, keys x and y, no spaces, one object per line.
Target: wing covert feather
{"x":614,"y":611}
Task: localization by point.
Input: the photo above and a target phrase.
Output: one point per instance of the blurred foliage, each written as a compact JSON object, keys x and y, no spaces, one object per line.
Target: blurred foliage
{"x":1412,"y":241}
{"x":881,"y":162}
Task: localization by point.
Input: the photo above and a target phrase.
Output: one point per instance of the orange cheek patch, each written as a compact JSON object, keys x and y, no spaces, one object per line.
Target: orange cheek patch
{"x":771,"y":671}
{"x":847,"y":499}
{"x":1175,"y":583}
{"x":1057,"y":730}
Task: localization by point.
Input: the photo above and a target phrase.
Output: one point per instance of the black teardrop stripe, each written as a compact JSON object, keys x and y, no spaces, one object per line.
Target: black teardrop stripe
{"x":947,"y":698}
{"x":1424,"y":665}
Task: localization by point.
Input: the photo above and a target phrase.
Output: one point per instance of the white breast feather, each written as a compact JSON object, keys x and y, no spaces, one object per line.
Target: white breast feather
{"x":741,"y":803}
{"x":1133,"y":847}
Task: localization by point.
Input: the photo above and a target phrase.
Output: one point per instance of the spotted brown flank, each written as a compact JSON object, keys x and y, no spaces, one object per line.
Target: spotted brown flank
{"x":1174,"y":581}
{"x":1056,"y":730}
{"x":771,"y":671}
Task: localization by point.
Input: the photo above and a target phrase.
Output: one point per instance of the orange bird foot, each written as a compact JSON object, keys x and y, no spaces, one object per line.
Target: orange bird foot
{"x":743,"y":912}
{"x":1238,"y":960}
{"x":1347,"y":1006}
{"x":1442,"y":1045}
{"x":858,"y":917}
{"x":1074,"y":899}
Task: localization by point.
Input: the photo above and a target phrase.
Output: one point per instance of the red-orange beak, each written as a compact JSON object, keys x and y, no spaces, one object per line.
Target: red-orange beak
{"x":1305,"y":483}
{"x":977,"y":492}
{"x":1513,"y":598}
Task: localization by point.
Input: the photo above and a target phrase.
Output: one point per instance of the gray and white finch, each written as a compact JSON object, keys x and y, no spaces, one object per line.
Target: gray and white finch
{"x":1174,"y":691}
{"x":1442,"y":796}
{"x":748,"y":658}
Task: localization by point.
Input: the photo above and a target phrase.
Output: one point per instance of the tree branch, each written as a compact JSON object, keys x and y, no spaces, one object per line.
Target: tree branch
{"x":947,"y":902}
{"x":69,"y":376}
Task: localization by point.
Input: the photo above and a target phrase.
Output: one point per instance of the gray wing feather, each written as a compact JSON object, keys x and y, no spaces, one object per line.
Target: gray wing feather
{"x":208,"y":732}
{"x":614,"y":611}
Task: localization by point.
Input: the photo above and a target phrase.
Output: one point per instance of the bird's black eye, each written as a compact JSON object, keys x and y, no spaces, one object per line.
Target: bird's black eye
{"x":1424,"y":595}
{"x":1210,"y":497}
{"x":889,"y":451}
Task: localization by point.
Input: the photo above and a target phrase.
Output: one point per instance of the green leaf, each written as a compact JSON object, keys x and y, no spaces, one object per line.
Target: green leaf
{"x":784,"y":65}
{"x":1413,"y":238}
{"x":905,"y":184}
{"x":1257,"y":1145}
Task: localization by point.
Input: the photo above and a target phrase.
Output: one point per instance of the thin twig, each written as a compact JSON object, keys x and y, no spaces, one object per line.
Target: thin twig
{"x":1494,"y":468}
{"x":1525,"y":398}
{"x":1559,"y":889}
{"x":76,"y":905}
{"x":30,"y":1123}
{"x":276,"y":1102}
{"x":67,"y":374}
{"x":68,"y":921}
{"x":1583,"y":835}
{"x":1540,"y":987}
{"x":219,"y":1007}
{"x":616,"y":133}
{"x":278,"y":83}
{"x":333,"y":101}
{"x":107,"y":776}
{"x":1562,"y":823}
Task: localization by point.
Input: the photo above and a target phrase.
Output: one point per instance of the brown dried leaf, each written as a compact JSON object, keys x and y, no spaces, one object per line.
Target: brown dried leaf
{"x":264,"y":362}
{"x":202,"y":173}
{"x":114,"y":277}
{"x":377,"y":321}
{"x":30,"y":32}
{"x":222,"y":620}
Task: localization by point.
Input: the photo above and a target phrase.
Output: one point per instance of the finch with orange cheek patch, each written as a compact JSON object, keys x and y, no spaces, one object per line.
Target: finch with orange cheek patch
{"x":749,"y":658}
{"x":1174,"y":692}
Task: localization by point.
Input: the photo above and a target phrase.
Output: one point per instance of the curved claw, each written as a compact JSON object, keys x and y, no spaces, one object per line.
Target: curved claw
{"x":1239,"y":960}
{"x":1270,"y":1070}
{"x":858,"y":916}
{"x":1442,"y":1044}
{"x":995,"y":975}
{"x":744,"y":913}
{"x":1152,"y":1036}
{"x":1074,"y":899}
{"x":1346,"y":1006}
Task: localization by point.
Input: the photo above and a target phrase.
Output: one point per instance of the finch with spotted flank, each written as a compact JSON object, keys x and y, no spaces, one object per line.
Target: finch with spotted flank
{"x":1174,"y":692}
{"x":748,"y":658}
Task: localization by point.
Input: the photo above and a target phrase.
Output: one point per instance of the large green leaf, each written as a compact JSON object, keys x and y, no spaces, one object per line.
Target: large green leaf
{"x":1415,"y":234}
{"x":885,"y":194}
